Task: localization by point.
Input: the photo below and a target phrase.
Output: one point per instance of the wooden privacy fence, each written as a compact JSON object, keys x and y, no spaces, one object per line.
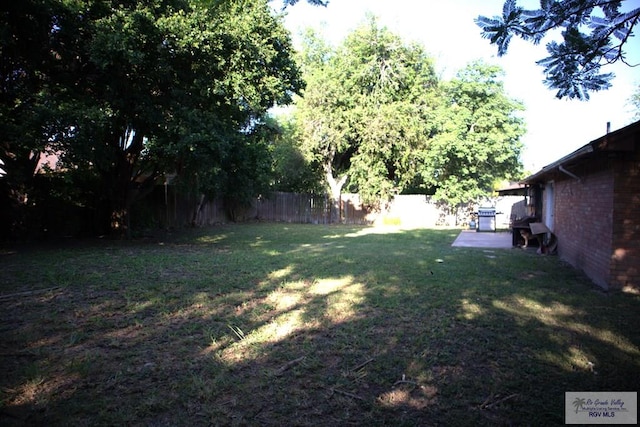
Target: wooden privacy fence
{"x":168,"y":207}
{"x":310,"y":209}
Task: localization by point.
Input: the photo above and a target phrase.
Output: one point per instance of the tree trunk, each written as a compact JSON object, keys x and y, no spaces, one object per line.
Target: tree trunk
{"x":16,"y":186}
{"x":335,"y":193}
{"x":128,"y":185}
{"x":196,"y":212}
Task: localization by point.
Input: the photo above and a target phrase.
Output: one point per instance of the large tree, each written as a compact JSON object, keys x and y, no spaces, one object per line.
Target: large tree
{"x":594,"y":33}
{"x":366,"y":110}
{"x":126,"y":91}
{"x":376,"y":119}
{"x":478,"y":139}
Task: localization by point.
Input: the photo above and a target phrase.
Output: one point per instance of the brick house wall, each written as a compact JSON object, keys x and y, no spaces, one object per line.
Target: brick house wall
{"x":597,"y":207}
{"x":625,"y":256}
{"x":584,"y":218}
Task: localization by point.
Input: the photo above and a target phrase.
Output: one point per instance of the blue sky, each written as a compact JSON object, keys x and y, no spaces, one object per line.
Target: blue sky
{"x":447,"y":31}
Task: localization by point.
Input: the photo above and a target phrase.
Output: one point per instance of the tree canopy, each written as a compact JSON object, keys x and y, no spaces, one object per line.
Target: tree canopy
{"x":312,"y":2}
{"x":292,"y":170}
{"x":366,"y":110}
{"x":125,"y":92}
{"x":478,"y":137}
{"x":594,"y":33}
{"x":375,"y":118}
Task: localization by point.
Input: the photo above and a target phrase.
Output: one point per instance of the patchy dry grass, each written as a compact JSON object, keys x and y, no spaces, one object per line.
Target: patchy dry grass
{"x":303,"y":325}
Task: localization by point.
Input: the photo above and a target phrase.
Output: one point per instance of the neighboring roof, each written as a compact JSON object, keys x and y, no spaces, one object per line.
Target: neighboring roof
{"x":513,"y":189}
{"x":47,"y":161}
{"x":621,"y":140}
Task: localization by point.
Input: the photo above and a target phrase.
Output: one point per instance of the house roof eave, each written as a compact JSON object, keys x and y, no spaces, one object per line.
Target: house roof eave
{"x":514,"y":189}
{"x":620,"y":140}
{"x":553,"y":167}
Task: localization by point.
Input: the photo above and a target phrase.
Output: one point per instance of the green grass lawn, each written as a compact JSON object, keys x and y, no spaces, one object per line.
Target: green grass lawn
{"x":281,"y":324}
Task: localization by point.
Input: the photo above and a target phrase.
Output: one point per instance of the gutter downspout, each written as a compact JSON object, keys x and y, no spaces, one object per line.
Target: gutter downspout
{"x":571,"y":174}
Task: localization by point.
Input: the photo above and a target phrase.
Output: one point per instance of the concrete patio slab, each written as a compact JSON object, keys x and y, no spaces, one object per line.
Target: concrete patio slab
{"x":475,"y":239}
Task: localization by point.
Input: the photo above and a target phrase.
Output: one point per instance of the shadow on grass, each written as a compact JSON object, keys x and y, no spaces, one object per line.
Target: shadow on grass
{"x":304,"y":325}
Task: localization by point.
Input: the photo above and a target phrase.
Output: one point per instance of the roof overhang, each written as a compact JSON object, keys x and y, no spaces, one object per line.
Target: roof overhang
{"x":516,"y":189}
{"x":622,"y":140}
